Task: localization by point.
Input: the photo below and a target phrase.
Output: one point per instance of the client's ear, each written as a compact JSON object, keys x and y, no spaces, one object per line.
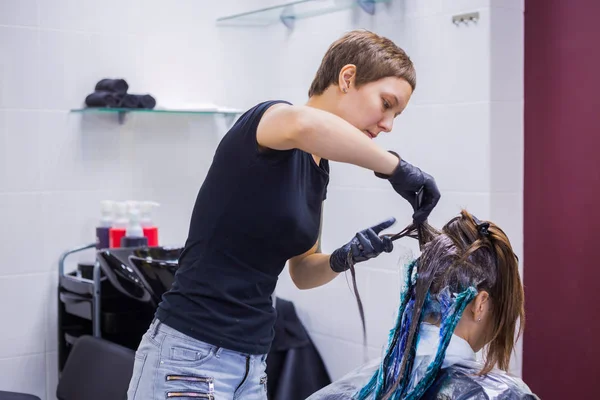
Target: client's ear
{"x":480,"y":306}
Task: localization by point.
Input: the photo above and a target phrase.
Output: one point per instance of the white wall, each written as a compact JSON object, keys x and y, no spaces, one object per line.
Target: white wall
{"x":56,"y":167}
{"x":463,"y":125}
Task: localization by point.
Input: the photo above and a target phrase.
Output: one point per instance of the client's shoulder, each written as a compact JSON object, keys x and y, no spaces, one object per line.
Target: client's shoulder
{"x":462,"y":383}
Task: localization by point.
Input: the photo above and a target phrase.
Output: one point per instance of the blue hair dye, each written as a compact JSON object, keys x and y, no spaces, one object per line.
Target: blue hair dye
{"x":450,"y":309}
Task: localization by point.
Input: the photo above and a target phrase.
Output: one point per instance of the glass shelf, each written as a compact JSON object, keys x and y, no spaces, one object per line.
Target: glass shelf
{"x":122,"y":111}
{"x":154,"y":110}
{"x":288,"y":12}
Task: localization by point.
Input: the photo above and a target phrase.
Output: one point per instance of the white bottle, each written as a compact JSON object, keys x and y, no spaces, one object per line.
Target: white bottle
{"x":106,"y":212}
{"x":132,"y":205}
{"x":120,"y":221}
{"x":134,"y":234}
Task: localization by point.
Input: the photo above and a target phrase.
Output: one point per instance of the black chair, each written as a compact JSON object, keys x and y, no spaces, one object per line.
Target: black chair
{"x":17,"y":396}
{"x":96,"y":369}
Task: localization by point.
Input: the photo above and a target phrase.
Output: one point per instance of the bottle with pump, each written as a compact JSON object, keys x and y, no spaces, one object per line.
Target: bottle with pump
{"x":106,"y":222}
{"x":134,"y":236}
{"x":119,"y":226}
{"x":150,"y":230}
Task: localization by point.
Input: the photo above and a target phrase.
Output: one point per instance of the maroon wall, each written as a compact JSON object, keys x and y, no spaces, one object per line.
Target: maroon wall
{"x":561,"y":358}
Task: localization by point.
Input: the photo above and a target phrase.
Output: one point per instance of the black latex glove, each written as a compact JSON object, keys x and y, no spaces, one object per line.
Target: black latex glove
{"x":365,"y":245}
{"x":407,"y":180}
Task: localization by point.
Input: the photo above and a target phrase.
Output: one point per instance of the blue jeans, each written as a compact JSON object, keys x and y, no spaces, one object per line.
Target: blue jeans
{"x":170,"y":364}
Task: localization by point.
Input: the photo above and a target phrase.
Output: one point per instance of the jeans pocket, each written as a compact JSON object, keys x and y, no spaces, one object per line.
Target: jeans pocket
{"x":190,"y":386}
{"x":185,"y":368}
{"x":190,"y":395}
{"x":183,"y":353}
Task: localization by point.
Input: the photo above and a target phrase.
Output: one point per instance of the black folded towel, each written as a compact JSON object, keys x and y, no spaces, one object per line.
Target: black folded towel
{"x":130,"y":101}
{"x":146,"y":101}
{"x":112,"y":85}
{"x":103,"y":99}
{"x":139,"y":101}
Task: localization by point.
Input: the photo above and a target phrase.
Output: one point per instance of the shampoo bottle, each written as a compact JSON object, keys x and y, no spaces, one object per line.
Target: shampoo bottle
{"x":150,"y":230}
{"x":106,"y":222}
{"x":119,"y":227}
{"x":134,"y":236}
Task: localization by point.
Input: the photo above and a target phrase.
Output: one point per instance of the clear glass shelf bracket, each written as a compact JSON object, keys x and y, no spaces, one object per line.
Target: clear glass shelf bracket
{"x":289,"y":12}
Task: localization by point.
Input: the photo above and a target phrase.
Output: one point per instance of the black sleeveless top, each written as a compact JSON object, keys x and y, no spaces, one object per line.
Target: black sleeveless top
{"x":255,"y":210}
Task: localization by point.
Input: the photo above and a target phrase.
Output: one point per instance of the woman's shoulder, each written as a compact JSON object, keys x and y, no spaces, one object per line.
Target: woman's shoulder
{"x":262,"y":106}
{"x":249,"y":119}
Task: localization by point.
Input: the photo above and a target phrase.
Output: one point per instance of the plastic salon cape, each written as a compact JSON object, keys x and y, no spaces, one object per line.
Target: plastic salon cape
{"x":457,"y":379}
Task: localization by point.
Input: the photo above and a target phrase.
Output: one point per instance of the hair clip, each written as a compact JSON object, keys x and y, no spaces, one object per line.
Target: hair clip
{"x":482,"y":227}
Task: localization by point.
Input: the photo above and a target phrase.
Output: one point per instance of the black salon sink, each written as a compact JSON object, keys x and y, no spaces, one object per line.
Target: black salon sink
{"x":142,"y":273}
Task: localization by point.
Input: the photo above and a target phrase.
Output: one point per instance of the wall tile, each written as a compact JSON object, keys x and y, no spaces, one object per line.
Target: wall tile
{"x":19,"y":68}
{"x":19,"y":12}
{"x":466,"y":54}
{"x":422,"y":39}
{"x":19,"y":151}
{"x":507,"y":211}
{"x":25,"y":374}
{"x":51,"y":312}
{"x":21,"y":214}
{"x":516,"y":361}
{"x":25,"y":333}
{"x":341,"y":356}
{"x":82,"y":152}
{"x":450,"y":142}
{"x":65,"y":74}
{"x":155,"y":16}
{"x":331,"y":309}
{"x":507,"y":54}
{"x":451,"y":203}
{"x":467,"y":5}
{"x":114,"y":16}
{"x":70,"y":15}
{"x":420,"y":8}
{"x":506,"y":146}
{"x":88,"y":16}
{"x":51,"y":375}
{"x":512,"y":4}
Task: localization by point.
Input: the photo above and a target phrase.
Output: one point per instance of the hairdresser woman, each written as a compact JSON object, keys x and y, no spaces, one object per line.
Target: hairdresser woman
{"x":260,"y":207}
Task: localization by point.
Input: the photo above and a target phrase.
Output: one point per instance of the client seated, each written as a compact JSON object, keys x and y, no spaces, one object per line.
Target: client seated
{"x":463,"y":294}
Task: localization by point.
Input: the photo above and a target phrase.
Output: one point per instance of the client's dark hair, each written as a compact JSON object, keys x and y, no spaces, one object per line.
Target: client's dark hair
{"x":466,"y":257}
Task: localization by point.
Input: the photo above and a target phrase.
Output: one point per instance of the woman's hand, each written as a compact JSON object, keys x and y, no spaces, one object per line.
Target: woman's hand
{"x":407,"y":180}
{"x":365,"y":245}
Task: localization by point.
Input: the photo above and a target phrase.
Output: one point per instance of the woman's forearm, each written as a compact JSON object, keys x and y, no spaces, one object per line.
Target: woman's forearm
{"x":323,"y":134}
{"x":312,"y":271}
{"x":331,"y":137}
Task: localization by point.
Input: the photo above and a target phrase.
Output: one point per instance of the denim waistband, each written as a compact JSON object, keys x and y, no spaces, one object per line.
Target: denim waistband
{"x":158,"y":326}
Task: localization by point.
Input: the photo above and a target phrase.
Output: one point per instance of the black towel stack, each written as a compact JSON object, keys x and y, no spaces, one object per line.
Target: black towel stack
{"x":112,"y":93}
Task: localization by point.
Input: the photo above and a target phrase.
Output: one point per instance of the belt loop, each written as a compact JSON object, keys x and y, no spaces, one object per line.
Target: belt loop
{"x":156,"y":324}
{"x":218,"y":352}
